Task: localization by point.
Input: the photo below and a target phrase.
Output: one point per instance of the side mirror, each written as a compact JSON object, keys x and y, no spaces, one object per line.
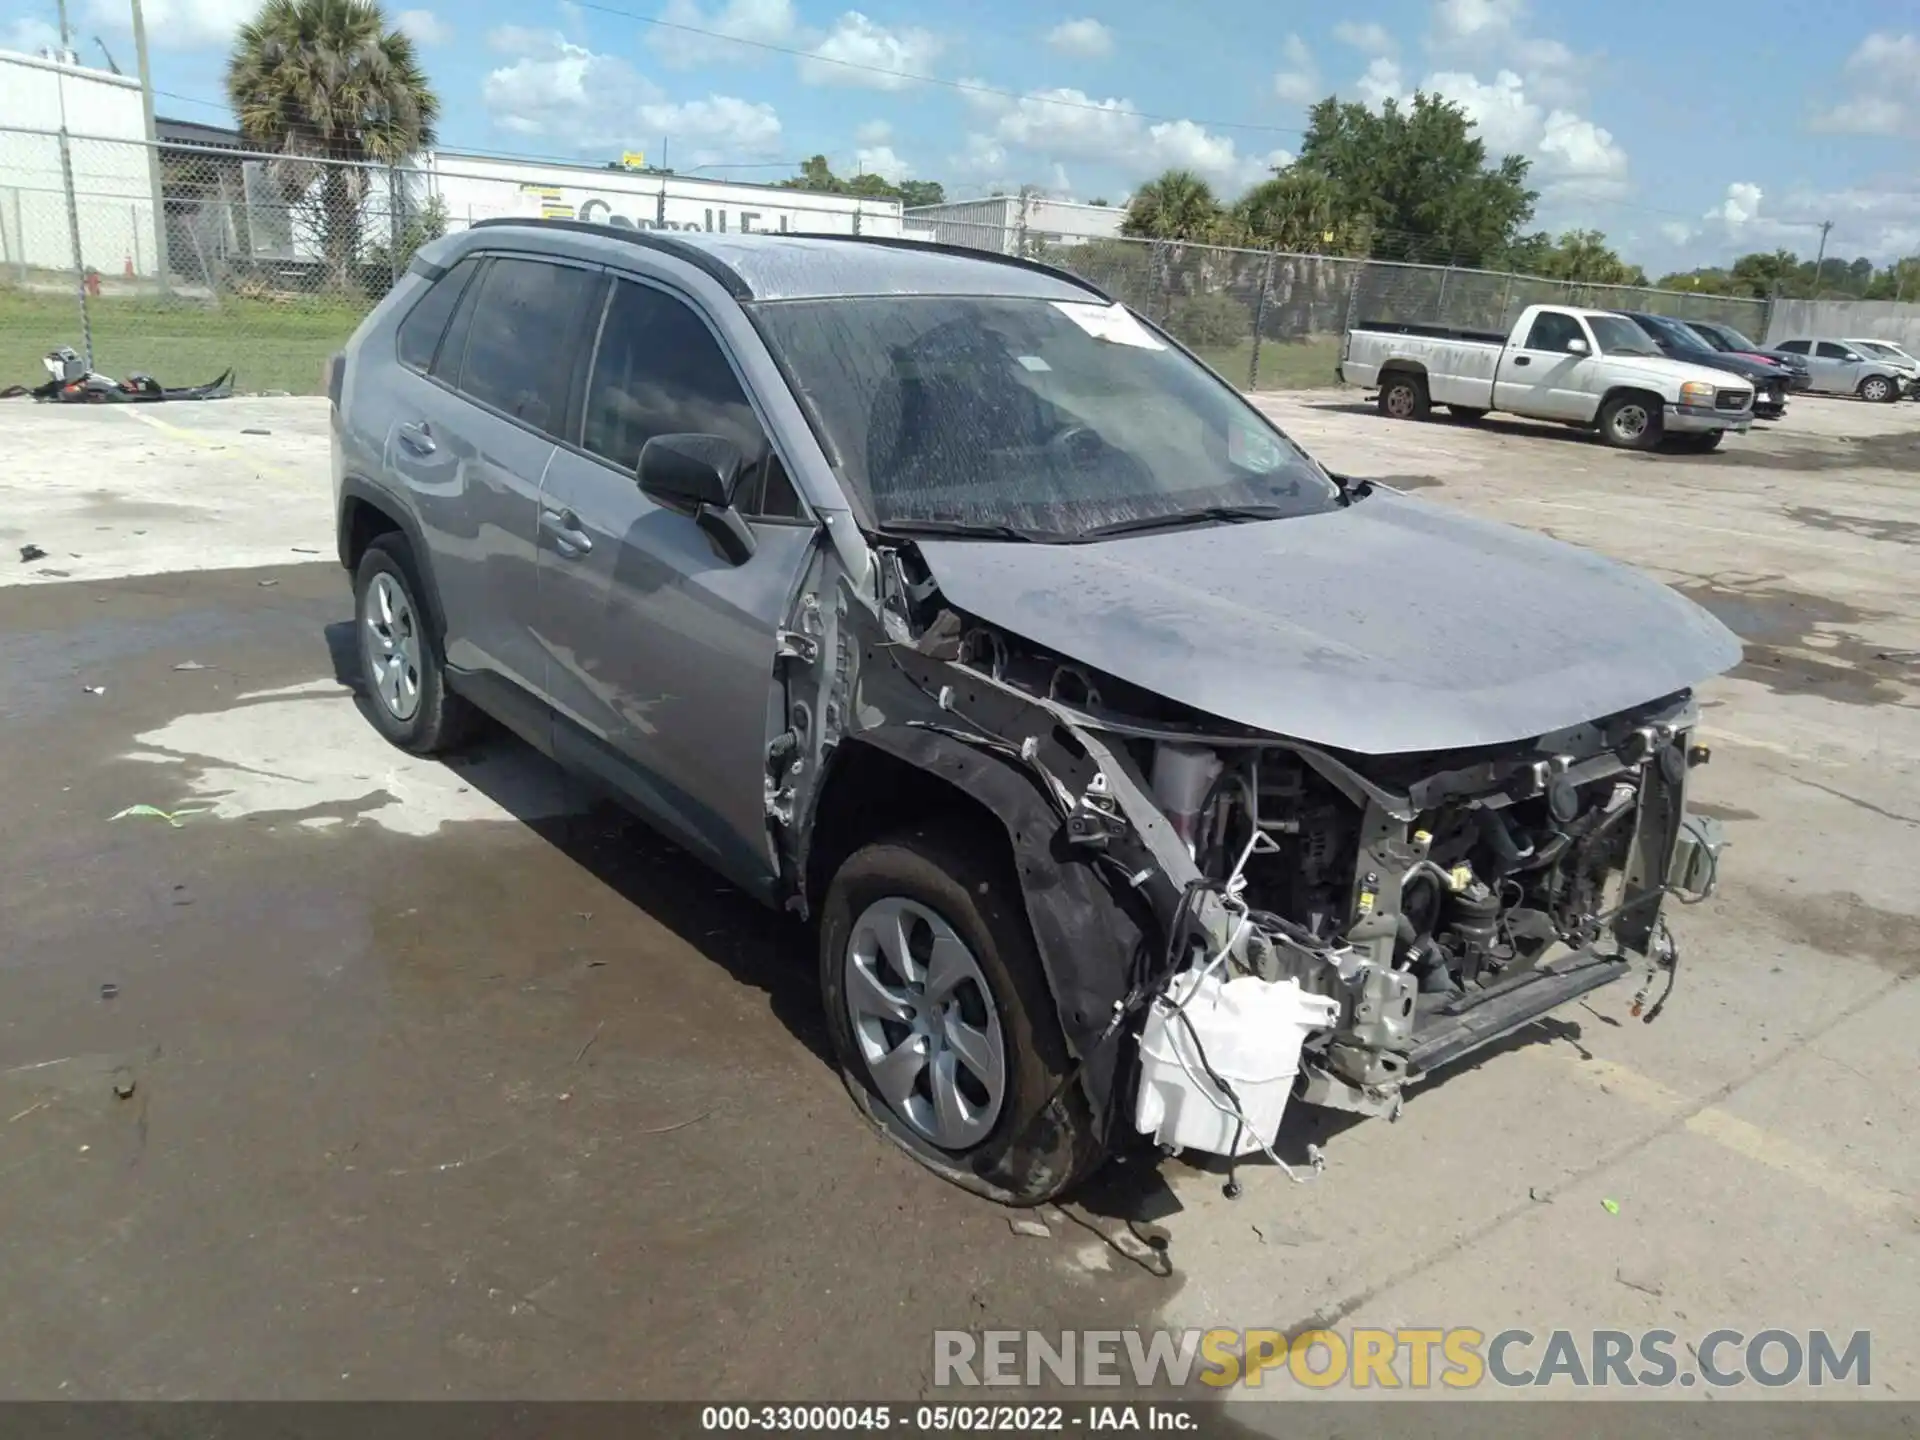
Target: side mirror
{"x":1576,"y":347}
{"x":699,"y":473}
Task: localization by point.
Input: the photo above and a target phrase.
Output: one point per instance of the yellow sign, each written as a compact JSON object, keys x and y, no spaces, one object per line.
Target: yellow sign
{"x":634,"y":160}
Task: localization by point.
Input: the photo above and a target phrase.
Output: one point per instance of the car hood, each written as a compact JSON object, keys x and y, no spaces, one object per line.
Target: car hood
{"x":1385,"y":626}
{"x":1656,"y":369}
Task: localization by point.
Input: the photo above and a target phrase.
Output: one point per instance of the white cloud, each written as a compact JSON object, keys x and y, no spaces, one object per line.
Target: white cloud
{"x":1299,"y":83}
{"x":1884,"y":73}
{"x":173,"y":24}
{"x":882,"y":161}
{"x":1678,"y":231}
{"x":1087,"y":39}
{"x":873,"y":132}
{"x":1578,"y":158}
{"x":983,"y":96}
{"x":1476,"y":22}
{"x":29,"y":36}
{"x":1740,"y":207}
{"x":423,"y":27}
{"x":586,"y":101}
{"x":856,"y":41}
{"x":1370,"y":38}
{"x":982,"y":159}
{"x":765,"y":22}
{"x":1505,"y":118}
{"x":1065,"y":124}
{"x":1382,"y":81}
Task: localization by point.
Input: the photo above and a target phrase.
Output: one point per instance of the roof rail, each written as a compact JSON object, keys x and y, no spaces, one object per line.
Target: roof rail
{"x":941,"y":247}
{"x":666,"y":244}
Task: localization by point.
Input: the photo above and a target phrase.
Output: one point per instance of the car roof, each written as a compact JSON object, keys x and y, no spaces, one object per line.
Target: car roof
{"x":777,"y":266}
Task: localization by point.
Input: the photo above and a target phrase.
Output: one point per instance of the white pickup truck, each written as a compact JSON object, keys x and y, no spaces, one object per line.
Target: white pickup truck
{"x":1588,"y":368}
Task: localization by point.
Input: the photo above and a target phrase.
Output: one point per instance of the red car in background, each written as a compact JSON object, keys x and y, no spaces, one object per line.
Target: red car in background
{"x":1729,"y":341}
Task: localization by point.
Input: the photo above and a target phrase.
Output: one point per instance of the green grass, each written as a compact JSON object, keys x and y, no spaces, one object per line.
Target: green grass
{"x":179,"y":342}
{"x":1284,"y":364}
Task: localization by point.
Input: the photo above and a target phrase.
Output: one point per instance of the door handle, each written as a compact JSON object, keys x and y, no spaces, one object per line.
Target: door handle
{"x":417,"y":436}
{"x":569,"y":539}
{"x":1522,"y":360}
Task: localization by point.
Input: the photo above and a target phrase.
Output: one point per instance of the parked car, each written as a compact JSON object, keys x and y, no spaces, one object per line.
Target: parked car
{"x":1726,"y":338}
{"x":1677,"y":342}
{"x":1096,"y":729}
{"x":1894,"y":355}
{"x":1590,"y":368}
{"x":1840,"y":368}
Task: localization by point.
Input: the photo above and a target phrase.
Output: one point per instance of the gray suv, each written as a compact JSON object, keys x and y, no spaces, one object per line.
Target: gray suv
{"x":935,"y":597}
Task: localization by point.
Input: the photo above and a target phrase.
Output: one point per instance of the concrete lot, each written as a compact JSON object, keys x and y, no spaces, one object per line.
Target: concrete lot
{"x":444,"y":1085}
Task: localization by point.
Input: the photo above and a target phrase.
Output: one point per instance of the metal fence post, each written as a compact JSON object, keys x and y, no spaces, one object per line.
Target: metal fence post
{"x":1259,"y":322}
{"x":73,"y":239}
{"x":394,"y":263}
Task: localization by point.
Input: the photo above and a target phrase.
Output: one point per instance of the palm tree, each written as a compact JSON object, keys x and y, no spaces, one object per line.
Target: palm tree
{"x":330,"y":80}
{"x":1299,"y":210}
{"x":1179,"y":205}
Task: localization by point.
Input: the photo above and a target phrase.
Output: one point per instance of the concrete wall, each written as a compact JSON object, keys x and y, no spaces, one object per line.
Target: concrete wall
{"x":1867,"y":319}
{"x":996,"y":224}
{"x":477,"y":187}
{"x":111,"y":179}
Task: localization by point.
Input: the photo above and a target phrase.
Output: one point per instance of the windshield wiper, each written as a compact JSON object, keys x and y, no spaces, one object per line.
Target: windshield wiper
{"x":969,"y":530}
{"x":1209,"y":515}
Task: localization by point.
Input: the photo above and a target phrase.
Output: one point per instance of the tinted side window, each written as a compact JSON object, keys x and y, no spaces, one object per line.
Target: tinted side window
{"x":1552,"y":330}
{"x":1795,"y":347}
{"x":420,"y":332}
{"x":1827,"y":350}
{"x":524,"y":337}
{"x":660,"y":371}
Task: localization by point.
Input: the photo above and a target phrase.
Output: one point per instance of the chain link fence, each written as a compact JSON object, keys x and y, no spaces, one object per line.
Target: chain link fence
{"x":264,"y":264}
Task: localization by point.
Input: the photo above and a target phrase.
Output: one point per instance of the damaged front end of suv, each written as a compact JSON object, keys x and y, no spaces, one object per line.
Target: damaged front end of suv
{"x":1432,"y":897}
{"x":1307,"y":787}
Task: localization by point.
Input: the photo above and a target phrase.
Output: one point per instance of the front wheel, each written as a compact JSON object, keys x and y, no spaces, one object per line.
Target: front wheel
{"x":1631,"y":422}
{"x":941,"y":1017}
{"x":1879,"y":389}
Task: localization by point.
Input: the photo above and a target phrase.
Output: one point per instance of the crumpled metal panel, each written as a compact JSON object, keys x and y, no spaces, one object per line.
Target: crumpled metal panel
{"x":792,"y":267}
{"x":1387,"y":626}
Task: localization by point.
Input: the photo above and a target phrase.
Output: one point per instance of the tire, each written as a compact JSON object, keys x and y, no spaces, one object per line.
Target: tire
{"x":947,"y":883}
{"x":1468,"y":414}
{"x":402,"y":672}
{"x":1879,"y":389}
{"x":1403,"y":396}
{"x":1631,"y":422}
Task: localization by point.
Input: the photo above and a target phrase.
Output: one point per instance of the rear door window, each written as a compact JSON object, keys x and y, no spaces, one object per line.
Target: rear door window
{"x":1827,"y":350}
{"x":524,"y":337}
{"x":1795,"y":347}
{"x":420,"y":332}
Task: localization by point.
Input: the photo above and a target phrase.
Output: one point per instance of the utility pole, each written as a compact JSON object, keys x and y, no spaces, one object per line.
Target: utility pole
{"x":66,"y":184}
{"x":1821,"y":258}
{"x":161,"y":261}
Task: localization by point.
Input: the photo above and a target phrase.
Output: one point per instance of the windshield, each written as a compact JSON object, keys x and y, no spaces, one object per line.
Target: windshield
{"x":1033,"y":418}
{"x":1732,"y":336}
{"x":1617,"y":336}
{"x":1674,"y":333}
{"x":1888,"y":352}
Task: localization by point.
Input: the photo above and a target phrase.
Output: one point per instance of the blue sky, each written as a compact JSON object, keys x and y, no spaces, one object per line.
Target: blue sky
{"x":1687,"y":132}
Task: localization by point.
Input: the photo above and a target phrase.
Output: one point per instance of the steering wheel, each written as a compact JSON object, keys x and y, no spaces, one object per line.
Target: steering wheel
{"x":1080,"y":445}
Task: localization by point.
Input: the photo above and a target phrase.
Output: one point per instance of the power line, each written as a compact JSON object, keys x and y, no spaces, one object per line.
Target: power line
{"x":966,"y":86}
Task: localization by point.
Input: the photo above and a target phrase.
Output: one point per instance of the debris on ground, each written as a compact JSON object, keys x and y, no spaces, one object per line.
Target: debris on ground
{"x":1645,"y":1284}
{"x":108,"y":990}
{"x":255,"y":430}
{"x":265,"y":583}
{"x":152,"y":812}
{"x":71,"y":382}
{"x":1612,"y":1207}
{"x":1027,"y":1225}
{"x":189,"y":665}
{"x":31,"y":553}
{"x":94,"y":689}
{"x":123,"y":1083}
{"x":306,"y":550}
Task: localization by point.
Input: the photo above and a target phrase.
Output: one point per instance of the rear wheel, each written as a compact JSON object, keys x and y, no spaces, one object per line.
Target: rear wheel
{"x":1631,"y":422}
{"x":1879,"y":389}
{"x":940,"y":1014}
{"x":1403,"y":396}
